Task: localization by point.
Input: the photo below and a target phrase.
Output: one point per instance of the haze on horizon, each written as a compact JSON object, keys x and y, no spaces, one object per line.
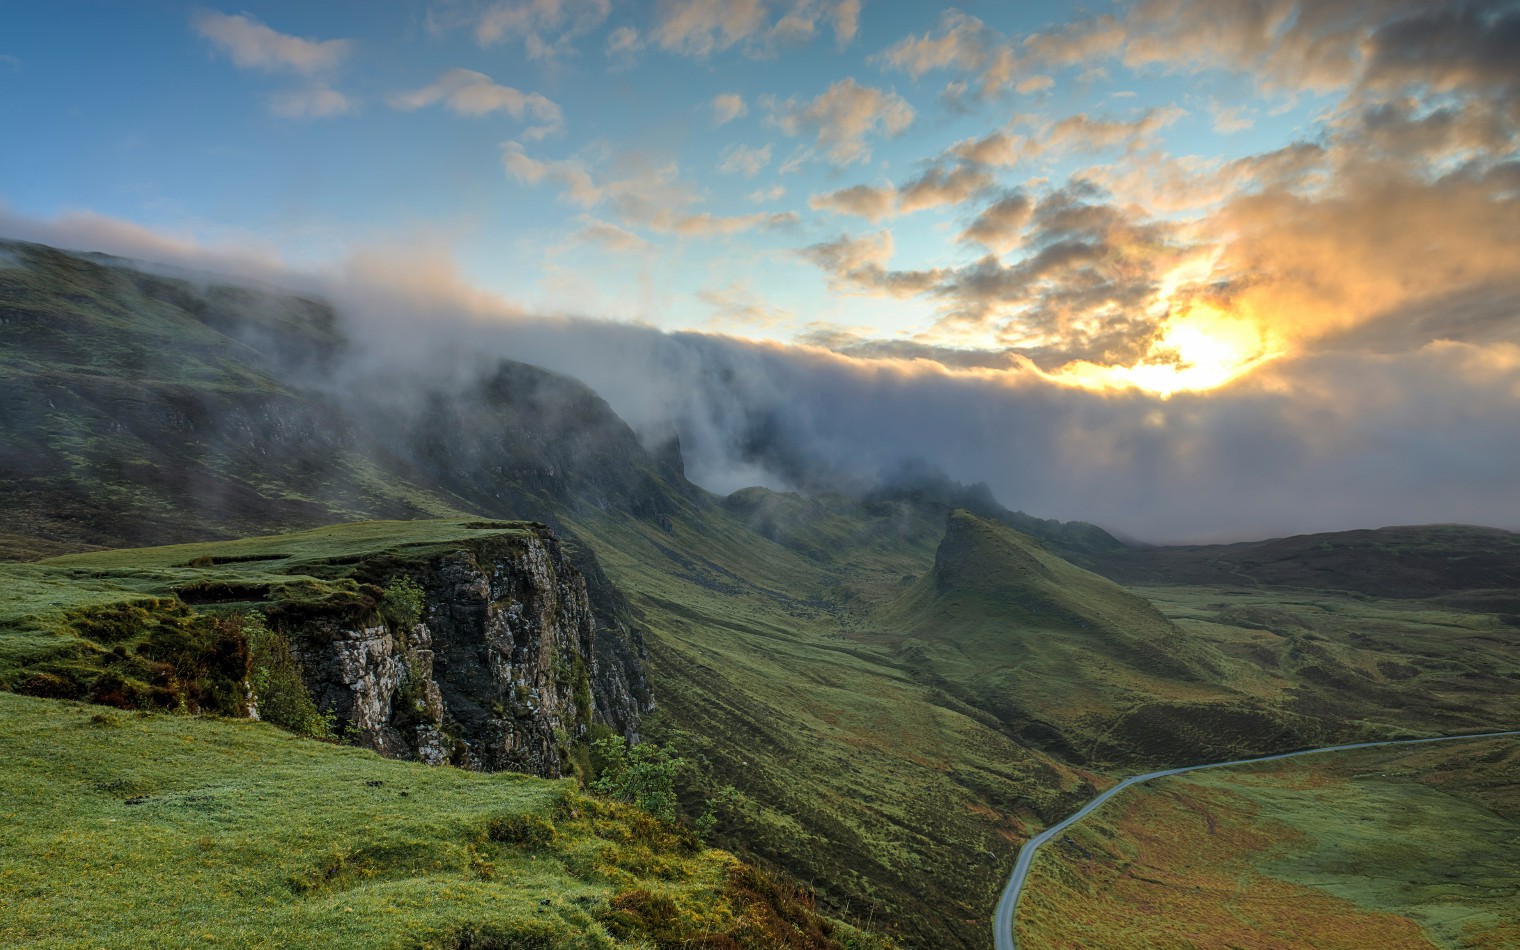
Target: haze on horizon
{"x":1189,"y":269}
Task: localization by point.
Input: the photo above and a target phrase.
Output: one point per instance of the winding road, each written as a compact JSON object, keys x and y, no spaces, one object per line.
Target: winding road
{"x":1008,"y":905}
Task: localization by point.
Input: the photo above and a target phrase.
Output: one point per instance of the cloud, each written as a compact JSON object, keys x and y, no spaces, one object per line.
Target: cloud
{"x":1229,"y":119}
{"x":1083,"y":133}
{"x":547,"y":29}
{"x":745,"y":160}
{"x":1286,"y":46}
{"x":240,"y":255}
{"x":1365,"y":432}
{"x":936,"y":186}
{"x":999,"y":227}
{"x":609,"y":236}
{"x":623,"y":44}
{"x":960,"y":44}
{"x":1331,"y":441}
{"x":318,"y":101}
{"x":842,"y":117}
{"x":864,"y":201}
{"x":706,"y":224}
{"x":10,"y":62}
{"x":647,"y":196}
{"x":860,"y":264}
{"x":469,"y":93}
{"x":764,"y":195}
{"x":726,"y":107}
{"x":737,"y":307}
{"x":1462,"y":47}
{"x":575,"y":181}
{"x":252,"y":45}
{"x":700,"y":28}
{"x":846,"y":17}
{"x":998,"y":150}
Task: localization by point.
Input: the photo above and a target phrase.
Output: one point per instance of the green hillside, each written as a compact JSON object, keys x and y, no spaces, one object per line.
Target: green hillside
{"x":897,"y":695}
{"x":136,"y":830}
{"x":889,"y":797}
{"x":1410,"y":847}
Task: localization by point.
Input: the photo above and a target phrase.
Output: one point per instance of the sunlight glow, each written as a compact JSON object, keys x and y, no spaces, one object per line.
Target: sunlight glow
{"x":1199,"y":345}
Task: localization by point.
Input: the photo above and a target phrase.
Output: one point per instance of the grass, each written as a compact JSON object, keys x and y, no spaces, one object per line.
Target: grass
{"x":897,"y":802}
{"x":1382,"y":847}
{"x":873,"y":708}
{"x":892,"y":740}
{"x":53,"y":620}
{"x":141,"y":830}
{"x":1388,"y":664}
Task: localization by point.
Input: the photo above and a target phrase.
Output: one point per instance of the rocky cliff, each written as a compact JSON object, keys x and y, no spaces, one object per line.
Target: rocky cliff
{"x":507,"y":667}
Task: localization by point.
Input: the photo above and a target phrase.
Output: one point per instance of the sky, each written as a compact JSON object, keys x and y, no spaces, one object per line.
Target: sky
{"x":1193,"y":269}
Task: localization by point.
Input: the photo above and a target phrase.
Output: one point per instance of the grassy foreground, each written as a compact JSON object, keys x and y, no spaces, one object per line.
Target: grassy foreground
{"x":1396,"y":848}
{"x":139,"y":830}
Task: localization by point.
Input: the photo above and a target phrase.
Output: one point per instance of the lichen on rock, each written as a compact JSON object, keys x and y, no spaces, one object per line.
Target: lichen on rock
{"x":506,"y":670}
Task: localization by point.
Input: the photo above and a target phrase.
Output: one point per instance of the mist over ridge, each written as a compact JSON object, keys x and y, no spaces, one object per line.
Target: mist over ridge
{"x":1329,"y":441}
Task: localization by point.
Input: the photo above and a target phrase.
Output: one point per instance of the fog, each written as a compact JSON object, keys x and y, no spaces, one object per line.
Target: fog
{"x":1353,"y":436}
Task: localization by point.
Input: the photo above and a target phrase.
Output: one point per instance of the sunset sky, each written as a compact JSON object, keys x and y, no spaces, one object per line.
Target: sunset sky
{"x":1164,"y":211}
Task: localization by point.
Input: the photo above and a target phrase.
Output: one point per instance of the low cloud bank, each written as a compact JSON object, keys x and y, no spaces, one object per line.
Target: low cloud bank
{"x":1354,"y":435}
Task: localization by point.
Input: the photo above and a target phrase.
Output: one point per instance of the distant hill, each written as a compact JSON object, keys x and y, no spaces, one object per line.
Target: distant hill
{"x":1048,"y":648}
{"x":1403,"y":562}
{"x":141,"y":409}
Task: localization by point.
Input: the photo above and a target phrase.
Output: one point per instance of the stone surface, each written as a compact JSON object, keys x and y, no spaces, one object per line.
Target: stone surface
{"x":508,"y":667}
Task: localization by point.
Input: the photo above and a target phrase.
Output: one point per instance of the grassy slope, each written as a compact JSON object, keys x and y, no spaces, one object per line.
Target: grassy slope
{"x":113,"y":386}
{"x":1420,"y":665}
{"x":890,"y":797}
{"x":869,"y":743}
{"x":132,"y":830}
{"x":1385,"y":848}
{"x":1039,"y":642}
{"x":1402,"y":562}
{"x":34,"y":633}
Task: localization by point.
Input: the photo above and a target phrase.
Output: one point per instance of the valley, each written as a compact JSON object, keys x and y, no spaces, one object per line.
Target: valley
{"x":876,"y":696}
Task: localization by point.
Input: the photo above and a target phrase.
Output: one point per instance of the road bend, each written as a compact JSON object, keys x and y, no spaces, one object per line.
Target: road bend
{"x":1008,"y":905}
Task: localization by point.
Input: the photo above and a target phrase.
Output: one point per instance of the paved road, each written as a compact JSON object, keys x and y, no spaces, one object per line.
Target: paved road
{"x":1002,"y":922}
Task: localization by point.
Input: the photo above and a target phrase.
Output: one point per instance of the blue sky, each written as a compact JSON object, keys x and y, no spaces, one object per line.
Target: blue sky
{"x":164,"y":114}
{"x":1189,"y":268}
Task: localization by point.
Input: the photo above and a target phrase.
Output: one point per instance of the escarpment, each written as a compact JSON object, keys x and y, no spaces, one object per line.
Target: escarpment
{"x":506,"y":667}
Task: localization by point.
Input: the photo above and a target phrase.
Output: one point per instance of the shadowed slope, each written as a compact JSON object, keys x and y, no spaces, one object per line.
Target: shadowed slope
{"x":1065,"y":659}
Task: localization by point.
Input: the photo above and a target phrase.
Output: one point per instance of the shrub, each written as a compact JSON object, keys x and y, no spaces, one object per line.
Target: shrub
{"x":644,"y":775}
{"x":532,"y":831}
{"x":280,"y":692}
{"x":51,"y":686}
{"x":402,"y":602}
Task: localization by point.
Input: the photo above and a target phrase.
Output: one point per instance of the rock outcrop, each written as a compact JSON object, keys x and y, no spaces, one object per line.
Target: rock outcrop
{"x":507,"y":668}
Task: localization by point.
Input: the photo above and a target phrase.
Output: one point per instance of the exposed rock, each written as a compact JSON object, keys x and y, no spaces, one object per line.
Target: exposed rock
{"x":507,"y":669}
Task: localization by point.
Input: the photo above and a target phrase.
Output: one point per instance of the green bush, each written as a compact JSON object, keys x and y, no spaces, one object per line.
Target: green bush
{"x":644,"y":775}
{"x":278,"y":688}
{"x":402,"y":603}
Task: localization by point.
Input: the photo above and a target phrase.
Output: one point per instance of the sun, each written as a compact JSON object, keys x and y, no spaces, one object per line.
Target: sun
{"x":1199,"y":346}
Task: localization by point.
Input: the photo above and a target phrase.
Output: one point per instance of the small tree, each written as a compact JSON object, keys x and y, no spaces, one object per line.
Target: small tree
{"x":401,"y":603}
{"x":644,"y":775}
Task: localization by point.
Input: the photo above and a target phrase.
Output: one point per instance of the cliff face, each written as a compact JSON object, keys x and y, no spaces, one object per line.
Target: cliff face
{"x":506,"y":669}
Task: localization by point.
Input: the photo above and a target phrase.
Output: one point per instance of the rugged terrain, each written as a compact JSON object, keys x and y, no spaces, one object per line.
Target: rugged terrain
{"x":500,"y":664}
{"x":880,"y":694}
